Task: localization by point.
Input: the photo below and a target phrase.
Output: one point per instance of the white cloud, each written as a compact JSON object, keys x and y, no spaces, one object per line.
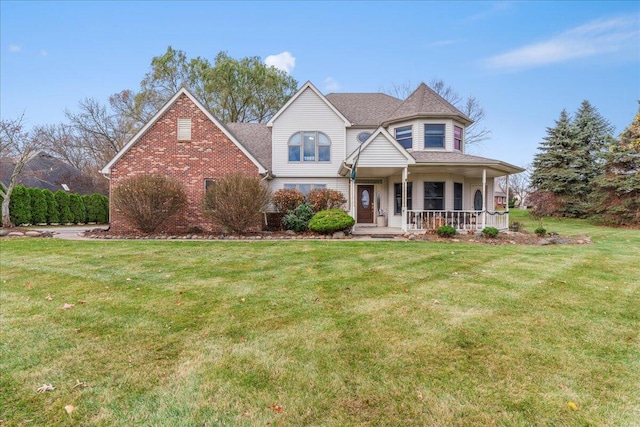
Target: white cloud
{"x":595,"y":38}
{"x":440,"y":43}
{"x":43,"y":52}
{"x":15,"y":48}
{"x":331,"y":84}
{"x":283,"y":61}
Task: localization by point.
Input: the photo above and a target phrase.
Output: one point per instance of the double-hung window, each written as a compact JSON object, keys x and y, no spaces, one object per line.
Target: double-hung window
{"x":404,"y":136}
{"x":309,"y":147}
{"x":434,"y":136}
{"x":397,"y":190}
{"x":433,"y":196}
{"x":457,"y":138}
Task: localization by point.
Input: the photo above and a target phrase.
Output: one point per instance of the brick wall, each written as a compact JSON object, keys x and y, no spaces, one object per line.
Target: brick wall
{"x":209,"y":154}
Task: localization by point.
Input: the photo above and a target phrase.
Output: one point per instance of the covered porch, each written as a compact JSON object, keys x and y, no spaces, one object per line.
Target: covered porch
{"x":422,"y":190}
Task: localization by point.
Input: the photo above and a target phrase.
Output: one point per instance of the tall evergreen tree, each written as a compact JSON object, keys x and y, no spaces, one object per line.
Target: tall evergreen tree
{"x":569,"y":159}
{"x":616,"y":198}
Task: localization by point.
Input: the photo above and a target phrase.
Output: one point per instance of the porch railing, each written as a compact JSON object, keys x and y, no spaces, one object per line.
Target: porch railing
{"x":460,"y":220}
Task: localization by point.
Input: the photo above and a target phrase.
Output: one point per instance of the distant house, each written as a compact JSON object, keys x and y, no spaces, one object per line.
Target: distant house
{"x":500,"y":199}
{"x":400,"y":164}
{"x":46,"y":172}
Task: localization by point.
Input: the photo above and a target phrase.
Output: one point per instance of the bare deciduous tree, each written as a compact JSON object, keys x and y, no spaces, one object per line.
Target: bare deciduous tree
{"x":20,"y":145}
{"x":519,"y":185}
{"x":469,"y":106}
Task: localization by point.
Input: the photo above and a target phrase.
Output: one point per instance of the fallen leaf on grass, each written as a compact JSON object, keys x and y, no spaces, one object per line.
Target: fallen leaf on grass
{"x":81,"y":302}
{"x":276,"y":408}
{"x":69,"y":409}
{"x":45,"y":387}
{"x":178,"y":302}
{"x":128,"y":279}
{"x":28,"y":286}
{"x":49,"y":298}
{"x":572,"y":406}
{"x":420,"y":397}
{"x":67,"y":306}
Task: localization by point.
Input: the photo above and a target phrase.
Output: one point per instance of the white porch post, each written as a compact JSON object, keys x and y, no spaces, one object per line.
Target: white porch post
{"x":506,"y":208}
{"x":352,"y":198}
{"x":484,"y":198}
{"x":404,"y":198}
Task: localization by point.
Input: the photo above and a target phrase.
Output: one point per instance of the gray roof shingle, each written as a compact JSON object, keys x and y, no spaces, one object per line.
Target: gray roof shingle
{"x":449,"y":157}
{"x":256,"y":138}
{"x":364,"y":109}
{"x":424,"y":101}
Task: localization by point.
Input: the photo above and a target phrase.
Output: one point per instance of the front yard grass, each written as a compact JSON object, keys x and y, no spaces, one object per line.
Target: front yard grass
{"x":329,"y":333}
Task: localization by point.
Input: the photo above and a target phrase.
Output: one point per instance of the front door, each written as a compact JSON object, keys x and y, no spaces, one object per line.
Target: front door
{"x":365,"y":204}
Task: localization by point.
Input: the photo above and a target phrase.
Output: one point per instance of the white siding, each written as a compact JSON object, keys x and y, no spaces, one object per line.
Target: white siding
{"x":418,"y":132}
{"x":352,"y":139}
{"x":307,"y":113}
{"x":381,"y":153}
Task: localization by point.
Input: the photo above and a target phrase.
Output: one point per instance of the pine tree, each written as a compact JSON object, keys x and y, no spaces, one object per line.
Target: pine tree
{"x":569,"y":159}
{"x":617,"y":196}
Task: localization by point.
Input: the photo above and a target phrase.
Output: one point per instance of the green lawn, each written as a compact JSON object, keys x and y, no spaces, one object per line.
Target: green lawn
{"x":324,"y":333}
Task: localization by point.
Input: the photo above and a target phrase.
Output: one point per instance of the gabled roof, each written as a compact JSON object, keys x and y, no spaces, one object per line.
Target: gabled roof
{"x":424,"y":101}
{"x":392,"y":141}
{"x":47,"y":172}
{"x":310,"y":86}
{"x":167,"y":105}
{"x":256,"y":137}
{"x":364,"y":109}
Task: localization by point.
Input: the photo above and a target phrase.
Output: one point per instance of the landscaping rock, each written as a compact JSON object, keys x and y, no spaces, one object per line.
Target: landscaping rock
{"x":412,"y":237}
{"x":15,"y":234}
{"x":338,"y":235}
{"x":33,"y":233}
{"x":4,"y":233}
{"x":290,"y":233}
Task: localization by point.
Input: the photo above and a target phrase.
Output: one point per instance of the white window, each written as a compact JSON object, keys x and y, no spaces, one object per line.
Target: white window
{"x":304,"y":188}
{"x":184,"y":129}
{"x":309,"y":147}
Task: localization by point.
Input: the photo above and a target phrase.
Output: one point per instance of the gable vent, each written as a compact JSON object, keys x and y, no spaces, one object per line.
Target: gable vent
{"x":184,"y":129}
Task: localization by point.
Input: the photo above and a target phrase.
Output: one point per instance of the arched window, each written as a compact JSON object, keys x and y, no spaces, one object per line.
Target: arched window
{"x":308,"y":146}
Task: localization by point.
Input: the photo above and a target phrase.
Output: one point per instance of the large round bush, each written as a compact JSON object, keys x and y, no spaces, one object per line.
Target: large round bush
{"x":331,"y":220}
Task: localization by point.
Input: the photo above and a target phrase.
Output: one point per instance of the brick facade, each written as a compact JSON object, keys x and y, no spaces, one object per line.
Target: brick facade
{"x":210,"y":154}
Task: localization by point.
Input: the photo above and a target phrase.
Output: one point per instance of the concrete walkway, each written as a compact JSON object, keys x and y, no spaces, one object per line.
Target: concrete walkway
{"x":69,"y":232}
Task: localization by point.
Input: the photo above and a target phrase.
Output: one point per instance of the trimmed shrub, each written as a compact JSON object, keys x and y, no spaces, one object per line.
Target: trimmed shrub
{"x":103,"y":213}
{"x":322,"y":199}
{"x":77,"y":208}
{"x":38,"y":206}
{"x":331,"y":220}
{"x":236,"y":201}
{"x":96,"y":211}
{"x":490,"y":232}
{"x":540,"y":231}
{"x":286,"y":200}
{"x":446,"y":231}
{"x":148,"y":201}
{"x":53,"y":216}
{"x":64,"y":213}
{"x":20,"y":205}
{"x":298,"y":219}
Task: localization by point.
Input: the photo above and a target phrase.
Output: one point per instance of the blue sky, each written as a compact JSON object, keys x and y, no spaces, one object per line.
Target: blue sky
{"x":524,"y":61}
